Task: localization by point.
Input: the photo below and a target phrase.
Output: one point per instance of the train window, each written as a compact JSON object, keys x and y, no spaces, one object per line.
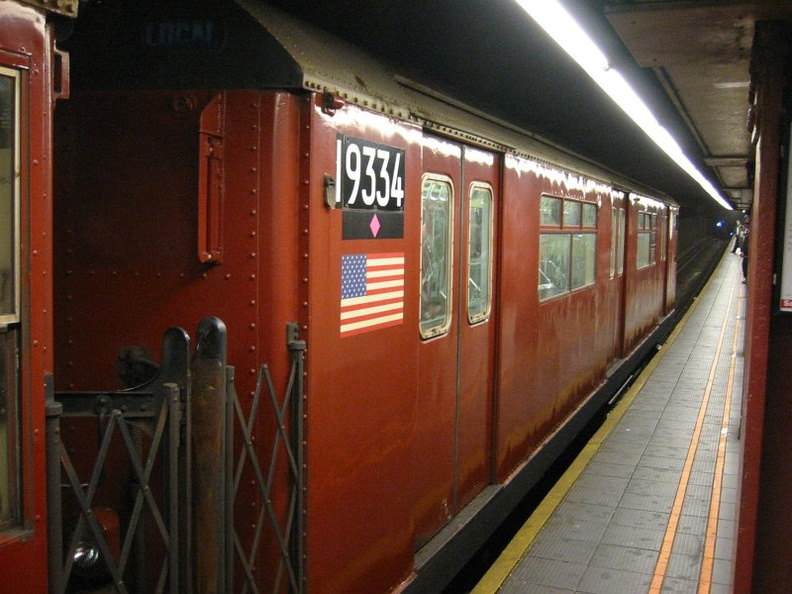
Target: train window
{"x":614,"y":240}
{"x":647,"y":239}
{"x":584,"y":256}
{"x":479,"y":253}
{"x":572,"y":212}
{"x":550,"y":211}
{"x":436,"y":251}
{"x":554,"y":257}
{"x":589,"y":215}
{"x":653,"y":239}
{"x":617,"y":242}
{"x":643,"y":250}
{"x":9,"y":188}
{"x":9,"y":297}
{"x":620,"y":251}
{"x":567,"y":261}
{"x":9,"y":462}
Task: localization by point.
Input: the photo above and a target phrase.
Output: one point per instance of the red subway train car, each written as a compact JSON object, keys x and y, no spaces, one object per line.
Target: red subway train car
{"x":33,"y":76}
{"x":418,"y":307}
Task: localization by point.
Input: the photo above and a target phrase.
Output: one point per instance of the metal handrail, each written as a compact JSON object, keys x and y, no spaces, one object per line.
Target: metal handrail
{"x":288,"y":531}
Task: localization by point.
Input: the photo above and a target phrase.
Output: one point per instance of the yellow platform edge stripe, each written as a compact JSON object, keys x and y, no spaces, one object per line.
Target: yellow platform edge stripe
{"x":519,"y":545}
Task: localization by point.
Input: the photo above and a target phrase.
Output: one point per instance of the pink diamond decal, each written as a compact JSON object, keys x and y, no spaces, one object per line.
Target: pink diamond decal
{"x":374,"y":225}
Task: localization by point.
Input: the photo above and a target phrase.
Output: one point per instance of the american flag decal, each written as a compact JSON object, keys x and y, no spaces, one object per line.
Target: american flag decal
{"x":372,"y":292}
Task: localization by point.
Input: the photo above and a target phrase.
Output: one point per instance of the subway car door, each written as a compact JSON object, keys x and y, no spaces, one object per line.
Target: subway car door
{"x":456,"y":329}
{"x":617,"y":284}
{"x":669,"y":252}
{"x":476,"y":322}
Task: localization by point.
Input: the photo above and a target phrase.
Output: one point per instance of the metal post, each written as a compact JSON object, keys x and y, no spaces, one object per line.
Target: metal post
{"x":137,"y":581}
{"x":185,"y":492}
{"x":297,"y":348}
{"x":174,"y":421}
{"x":53,"y":411}
{"x":208,"y":403}
{"x":229,"y":479}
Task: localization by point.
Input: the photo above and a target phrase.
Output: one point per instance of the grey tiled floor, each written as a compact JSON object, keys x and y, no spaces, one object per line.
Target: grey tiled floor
{"x":607,"y":533}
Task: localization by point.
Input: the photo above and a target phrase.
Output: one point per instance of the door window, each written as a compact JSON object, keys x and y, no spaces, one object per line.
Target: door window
{"x":9,"y":187}
{"x":436,"y":255}
{"x":480,"y":253}
{"x":9,"y":297}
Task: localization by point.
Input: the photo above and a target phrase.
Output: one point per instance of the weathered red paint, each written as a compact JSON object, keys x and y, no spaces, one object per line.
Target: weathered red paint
{"x":401,"y":432}
{"x":394,"y":450}
{"x":477,"y":356}
{"x":645,"y":287}
{"x":26,"y":45}
{"x":151,"y":277}
{"x":361,"y":409}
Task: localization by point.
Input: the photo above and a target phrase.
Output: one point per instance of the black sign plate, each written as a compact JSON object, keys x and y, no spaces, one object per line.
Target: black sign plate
{"x":370,"y":188}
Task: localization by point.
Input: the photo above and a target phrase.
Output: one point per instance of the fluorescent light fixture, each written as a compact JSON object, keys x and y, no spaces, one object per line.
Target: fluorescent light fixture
{"x":740,"y":84}
{"x":560,"y":25}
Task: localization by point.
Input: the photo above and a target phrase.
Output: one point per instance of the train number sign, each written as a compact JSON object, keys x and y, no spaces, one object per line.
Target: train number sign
{"x":370,"y":188}
{"x":371,"y":176}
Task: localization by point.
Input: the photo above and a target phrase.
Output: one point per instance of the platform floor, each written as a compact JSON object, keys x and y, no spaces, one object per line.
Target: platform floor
{"x":649,"y":505}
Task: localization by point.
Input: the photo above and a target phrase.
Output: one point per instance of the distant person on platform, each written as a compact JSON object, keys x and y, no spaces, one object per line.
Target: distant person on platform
{"x":744,"y":251}
{"x":739,"y":232}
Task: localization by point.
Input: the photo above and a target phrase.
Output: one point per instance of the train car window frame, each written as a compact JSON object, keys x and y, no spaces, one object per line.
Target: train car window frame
{"x":590,"y":213}
{"x":9,"y":214}
{"x":567,"y":246}
{"x":618,"y":231}
{"x":622,"y":240}
{"x":614,"y":240}
{"x":584,"y":260}
{"x":573,"y":214}
{"x":10,"y":479}
{"x":437,"y":251}
{"x":10,"y":280}
{"x":647,"y":240}
{"x":554,"y":257}
{"x":550,"y":211}
{"x":481,"y":205}
{"x":653,"y":239}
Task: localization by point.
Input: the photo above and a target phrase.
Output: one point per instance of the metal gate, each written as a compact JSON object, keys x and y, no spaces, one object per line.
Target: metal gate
{"x":180,"y":444}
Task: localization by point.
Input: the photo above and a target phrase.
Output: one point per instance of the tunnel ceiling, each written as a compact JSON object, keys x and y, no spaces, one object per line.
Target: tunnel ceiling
{"x":689,"y":60}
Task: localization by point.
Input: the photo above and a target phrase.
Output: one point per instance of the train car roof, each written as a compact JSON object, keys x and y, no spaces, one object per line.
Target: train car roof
{"x":329,"y":64}
{"x":248,"y":44}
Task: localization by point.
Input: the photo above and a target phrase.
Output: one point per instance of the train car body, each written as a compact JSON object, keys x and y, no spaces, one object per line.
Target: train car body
{"x":32,"y":78}
{"x":464,"y":292}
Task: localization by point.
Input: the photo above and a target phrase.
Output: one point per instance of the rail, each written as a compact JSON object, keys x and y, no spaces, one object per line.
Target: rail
{"x":695,"y":265}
